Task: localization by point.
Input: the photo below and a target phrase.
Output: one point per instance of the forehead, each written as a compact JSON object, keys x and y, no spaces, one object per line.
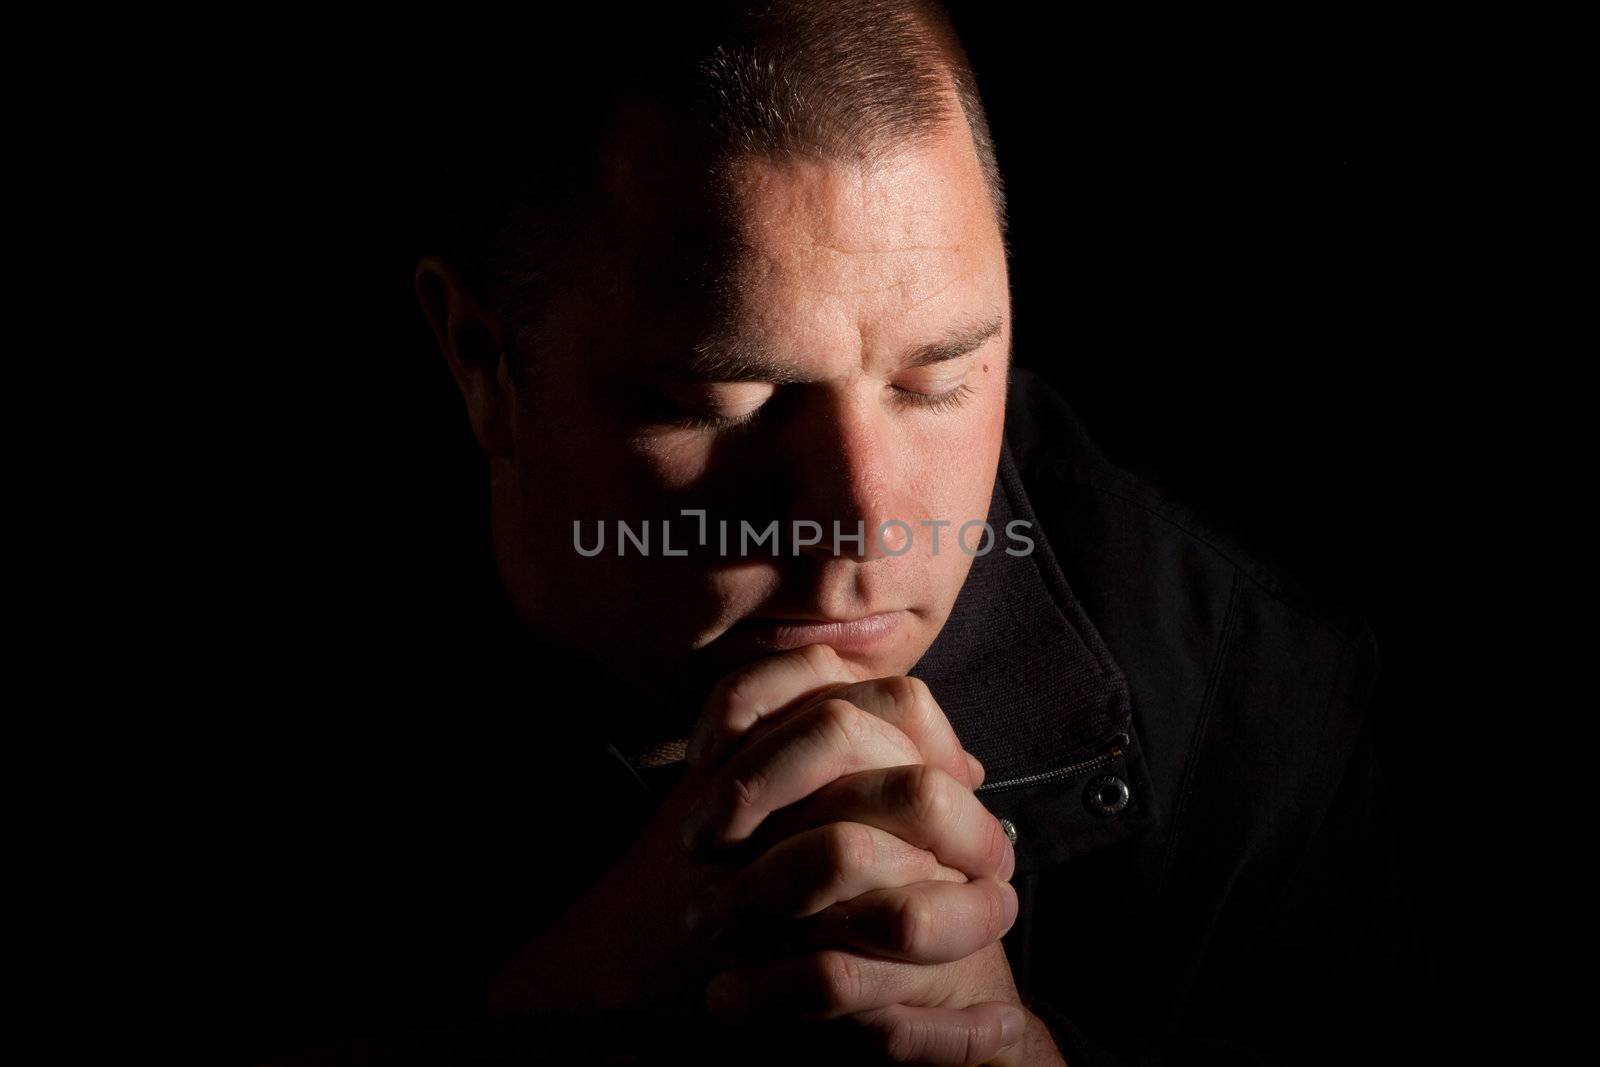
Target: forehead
{"x":801,"y":248}
{"x":875,"y":241}
{"x":927,"y":197}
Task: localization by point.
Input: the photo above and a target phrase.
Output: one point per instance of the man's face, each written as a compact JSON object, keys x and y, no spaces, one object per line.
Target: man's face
{"x":810,"y":386}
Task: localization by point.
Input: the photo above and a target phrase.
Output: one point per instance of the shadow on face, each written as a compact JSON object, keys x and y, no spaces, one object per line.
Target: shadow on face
{"x":799,"y":340}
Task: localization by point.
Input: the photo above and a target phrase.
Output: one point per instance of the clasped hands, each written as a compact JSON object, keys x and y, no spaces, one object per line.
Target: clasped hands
{"x":867,"y":885}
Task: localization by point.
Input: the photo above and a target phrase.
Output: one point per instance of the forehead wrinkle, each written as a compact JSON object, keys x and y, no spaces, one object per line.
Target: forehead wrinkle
{"x":828,"y":246}
{"x":906,"y":278}
{"x":955,"y":277}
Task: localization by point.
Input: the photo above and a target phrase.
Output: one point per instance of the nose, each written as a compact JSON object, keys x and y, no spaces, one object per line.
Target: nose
{"x":841,"y":456}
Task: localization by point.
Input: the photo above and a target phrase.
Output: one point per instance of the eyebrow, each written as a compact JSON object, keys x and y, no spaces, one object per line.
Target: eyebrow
{"x":725,"y":357}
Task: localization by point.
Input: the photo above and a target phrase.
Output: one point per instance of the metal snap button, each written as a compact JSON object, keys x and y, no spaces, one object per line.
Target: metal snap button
{"x":1106,"y":795}
{"x":1011,"y":830}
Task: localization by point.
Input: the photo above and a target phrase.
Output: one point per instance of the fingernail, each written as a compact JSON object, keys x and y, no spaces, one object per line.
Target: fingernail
{"x":694,"y":826}
{"x":1008,"y":866}
{"x":1012,"y":903}
{"x":974,"y":767}
{"x":1012,"y":1024}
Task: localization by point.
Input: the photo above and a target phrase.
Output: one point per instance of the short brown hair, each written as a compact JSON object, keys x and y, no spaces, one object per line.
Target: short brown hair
{"x":826,"y":79}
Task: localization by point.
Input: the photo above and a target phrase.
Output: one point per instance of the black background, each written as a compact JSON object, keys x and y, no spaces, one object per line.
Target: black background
{"x":1236,"y":250}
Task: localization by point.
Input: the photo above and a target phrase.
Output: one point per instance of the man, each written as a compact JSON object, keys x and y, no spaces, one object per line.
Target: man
{"x":868,"y":789}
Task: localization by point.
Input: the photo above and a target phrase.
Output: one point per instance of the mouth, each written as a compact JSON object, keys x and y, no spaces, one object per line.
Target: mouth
{"x":844,"y":635}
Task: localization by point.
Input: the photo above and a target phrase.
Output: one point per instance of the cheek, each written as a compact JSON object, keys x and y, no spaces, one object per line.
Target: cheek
{"x":578,"y":456}
{"x":954,"y":458}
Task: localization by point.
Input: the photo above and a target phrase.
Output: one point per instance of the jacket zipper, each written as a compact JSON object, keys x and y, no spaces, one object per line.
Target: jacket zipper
{"x":1113,"y":745}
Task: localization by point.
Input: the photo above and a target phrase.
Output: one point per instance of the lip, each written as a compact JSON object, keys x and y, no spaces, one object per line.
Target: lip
{"x":845,"y":635}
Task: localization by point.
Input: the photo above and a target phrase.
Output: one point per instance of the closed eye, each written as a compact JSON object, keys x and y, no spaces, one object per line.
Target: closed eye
{"x":698,"y":421}
{"x":945,"y":401}
{"x":720,"y":406}
{"x":904,"y":398}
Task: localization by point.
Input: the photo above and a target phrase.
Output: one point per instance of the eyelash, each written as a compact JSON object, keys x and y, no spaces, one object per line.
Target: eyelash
{"x":715,"y":422}
{"x":908,"y":398}
{"x":952,"y":398}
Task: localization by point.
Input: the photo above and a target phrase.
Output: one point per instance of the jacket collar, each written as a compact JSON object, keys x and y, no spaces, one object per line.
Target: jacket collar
{"x":1030,"y":687}
{"x":1019,"y":669}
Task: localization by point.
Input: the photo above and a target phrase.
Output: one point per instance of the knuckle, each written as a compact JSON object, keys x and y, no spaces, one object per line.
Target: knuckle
{"x":904,"y":1039}
{"x":926,"y":794}
{"x":841,"y":721}
{"x":919,"y":697}
{"x":916,"y":709}
{"x":903,"y":690}
{"x":911,"y":929}
{"x":747,"y":789}
{"x":921,"y":864}
{"x":741,"y":691}
{"x":851,"y":847}
{"x":840,"y":981}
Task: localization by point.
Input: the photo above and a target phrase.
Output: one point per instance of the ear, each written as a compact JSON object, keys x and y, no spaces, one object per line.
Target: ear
{"x":469,"y":336}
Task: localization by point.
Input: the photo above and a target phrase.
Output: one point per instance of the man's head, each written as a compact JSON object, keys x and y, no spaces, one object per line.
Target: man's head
{"x":763,"y":276}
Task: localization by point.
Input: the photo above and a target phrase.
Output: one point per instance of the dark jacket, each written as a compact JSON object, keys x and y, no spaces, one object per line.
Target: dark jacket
{"x":1183,"y":745}
{"x":1181,"y":742}
{"x":1202,"y":869}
